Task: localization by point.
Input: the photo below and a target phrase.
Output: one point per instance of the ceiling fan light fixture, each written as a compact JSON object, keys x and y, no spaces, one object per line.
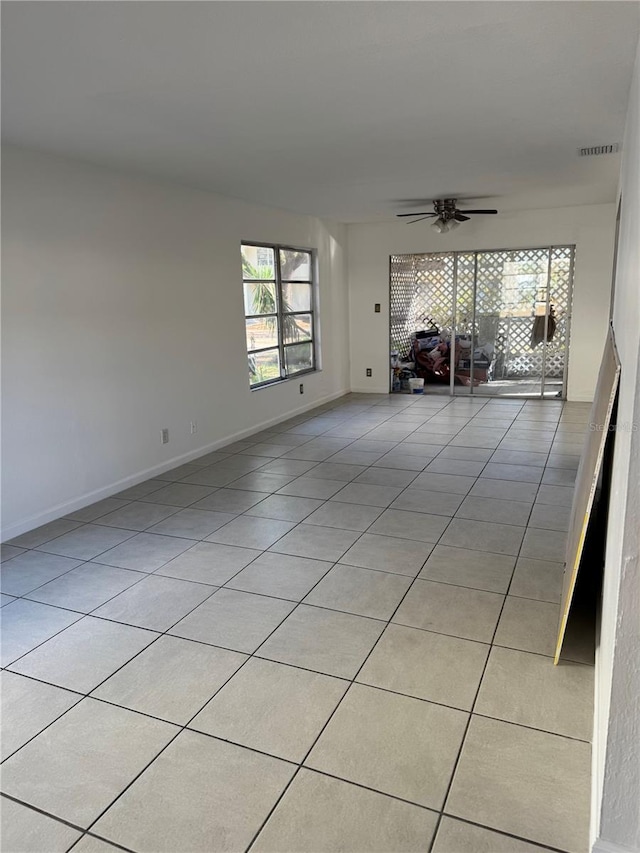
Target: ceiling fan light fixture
{"x":452,"y":224}
{"x":440,"y":226}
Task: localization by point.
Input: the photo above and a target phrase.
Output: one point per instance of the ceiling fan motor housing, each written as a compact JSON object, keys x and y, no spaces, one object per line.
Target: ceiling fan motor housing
{"x":445,"y":208}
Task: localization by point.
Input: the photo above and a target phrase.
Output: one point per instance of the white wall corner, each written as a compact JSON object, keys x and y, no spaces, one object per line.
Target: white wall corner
{"x":616,"y":743}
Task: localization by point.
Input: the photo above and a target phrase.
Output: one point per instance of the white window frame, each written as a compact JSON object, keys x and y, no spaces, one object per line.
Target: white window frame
{"x":281,"y":346}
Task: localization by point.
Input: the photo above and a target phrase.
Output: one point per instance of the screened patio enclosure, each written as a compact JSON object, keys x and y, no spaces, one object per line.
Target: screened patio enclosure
{"x":503,"y":318}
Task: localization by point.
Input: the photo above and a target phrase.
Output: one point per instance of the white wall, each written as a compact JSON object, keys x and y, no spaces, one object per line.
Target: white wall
{"x":616,"y":813}
{"x":123,"y":314}
{"x":591,"y":228}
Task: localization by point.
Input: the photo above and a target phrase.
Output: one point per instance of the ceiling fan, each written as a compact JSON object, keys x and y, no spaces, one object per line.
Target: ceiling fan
{"x":447,"y":215}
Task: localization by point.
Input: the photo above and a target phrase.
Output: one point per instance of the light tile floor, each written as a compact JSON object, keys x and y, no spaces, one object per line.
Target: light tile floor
{"x":333,"y":635}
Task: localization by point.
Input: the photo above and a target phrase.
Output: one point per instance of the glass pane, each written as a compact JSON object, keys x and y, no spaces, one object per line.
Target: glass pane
{"x":297,"y":327}
{"x":260,"y":298}
{"x":421,"y":315}
{"x":295,"y":265}
{"x":463,"y":376}
{"x":258,"y":262}
{"x":298,"y":357}
{"x":558,"y":323}
{"x":262,"y":333}
{"x":264,"y":366}
{"x":296,"y":297}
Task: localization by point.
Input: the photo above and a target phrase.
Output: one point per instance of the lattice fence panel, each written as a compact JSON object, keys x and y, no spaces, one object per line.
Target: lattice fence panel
{"x":434,"y":290}
{"x":560,"y":293}
{"x":402,"y":288}
{"x":526,"y":274}
{"x":464,"y":293}
{"x":421,"y":290}
{"x":523,"y":361}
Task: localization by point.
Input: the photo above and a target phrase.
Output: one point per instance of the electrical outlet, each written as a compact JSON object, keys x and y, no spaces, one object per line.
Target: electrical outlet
{"x":164,"y":436}
{"x":301,"y":388}
{"x":369,"y":371}
{"x":194,"y":427}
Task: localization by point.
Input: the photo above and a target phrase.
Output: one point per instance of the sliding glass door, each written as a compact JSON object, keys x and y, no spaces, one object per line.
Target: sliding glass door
{"x":502,"y":317}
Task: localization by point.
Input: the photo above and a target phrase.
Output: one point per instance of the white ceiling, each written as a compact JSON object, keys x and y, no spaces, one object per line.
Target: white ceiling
{"x":340,"y":109}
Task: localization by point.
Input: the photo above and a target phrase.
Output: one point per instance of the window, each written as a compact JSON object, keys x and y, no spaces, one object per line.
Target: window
{"x":278,"y":284}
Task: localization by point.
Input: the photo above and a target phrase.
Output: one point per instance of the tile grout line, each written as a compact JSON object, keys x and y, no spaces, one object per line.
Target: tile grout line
{"x":353,"y":681}
{"x":473,"y":705}
{"x":184,"y":726}
{"x":242,"y":515}
{"x":223,"y":585}
{"x":128,"y":661}
{"x":269,"y":460}
{"x":320,"y":733}
{"x":297,"y":667}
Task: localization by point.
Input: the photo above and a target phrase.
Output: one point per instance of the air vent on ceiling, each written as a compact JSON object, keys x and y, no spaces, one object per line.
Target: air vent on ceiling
{"x":595,"y":150}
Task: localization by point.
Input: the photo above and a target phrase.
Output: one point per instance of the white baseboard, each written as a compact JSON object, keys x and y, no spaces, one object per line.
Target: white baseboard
{"x":602,"y":846}
{"x":580,"y":398}
{"x":30,"y":523}
{"x":370,"y":390}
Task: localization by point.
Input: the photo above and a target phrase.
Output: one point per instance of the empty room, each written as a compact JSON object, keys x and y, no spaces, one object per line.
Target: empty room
{"x":320,"y":413}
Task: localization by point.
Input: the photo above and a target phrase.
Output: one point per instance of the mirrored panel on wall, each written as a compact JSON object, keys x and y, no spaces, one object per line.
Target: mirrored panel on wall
{"x":490,"y":323}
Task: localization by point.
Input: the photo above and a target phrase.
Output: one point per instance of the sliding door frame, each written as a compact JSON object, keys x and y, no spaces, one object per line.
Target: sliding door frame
{"x":454,"y":314}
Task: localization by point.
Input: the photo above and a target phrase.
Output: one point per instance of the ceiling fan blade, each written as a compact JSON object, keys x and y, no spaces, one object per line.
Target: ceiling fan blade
{"x":423,"y":213}
{"x":422,"y":218}
{"x":460,"y":217}
{"x":478,"y":211}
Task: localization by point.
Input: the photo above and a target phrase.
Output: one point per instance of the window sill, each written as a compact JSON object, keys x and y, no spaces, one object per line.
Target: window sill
{"x":276,"y":382}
